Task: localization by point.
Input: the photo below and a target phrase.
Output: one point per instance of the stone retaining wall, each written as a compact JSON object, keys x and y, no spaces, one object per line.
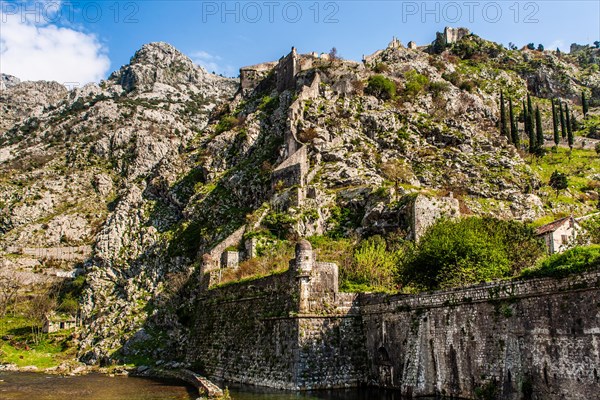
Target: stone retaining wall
{"x":537,"y":339}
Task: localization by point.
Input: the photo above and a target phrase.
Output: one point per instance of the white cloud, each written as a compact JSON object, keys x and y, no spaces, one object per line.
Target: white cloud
{"x":33,"y":50}
{"x":211,"y":63}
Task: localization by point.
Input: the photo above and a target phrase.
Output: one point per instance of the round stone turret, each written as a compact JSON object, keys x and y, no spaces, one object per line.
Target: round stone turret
{"x":304,"y":256}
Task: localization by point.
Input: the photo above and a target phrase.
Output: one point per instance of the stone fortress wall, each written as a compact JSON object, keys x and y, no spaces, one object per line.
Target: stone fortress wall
{"x":537,"y":339}
{"x":290,"y":331}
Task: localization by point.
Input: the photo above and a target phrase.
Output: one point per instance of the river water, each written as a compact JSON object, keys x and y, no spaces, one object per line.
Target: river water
{"x":34,"y":386}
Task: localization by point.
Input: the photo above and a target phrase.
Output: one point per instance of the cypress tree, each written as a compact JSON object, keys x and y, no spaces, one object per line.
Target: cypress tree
{"x":531,"y":129}
{"x":514,"y":130}
{"x":504,"y":129}
{"x":570,"y":137}
{"x":531,"y":117}
{"x":555,"y":124}
{"x":574,"y":123}
{"x":584,"y":104}
{"x":563,"y":124}
{"x":525,"y":119}
{"x":539,"y":133}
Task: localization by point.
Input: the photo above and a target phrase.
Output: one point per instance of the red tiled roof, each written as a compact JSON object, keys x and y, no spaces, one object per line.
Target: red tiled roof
{"x":552,"y":226}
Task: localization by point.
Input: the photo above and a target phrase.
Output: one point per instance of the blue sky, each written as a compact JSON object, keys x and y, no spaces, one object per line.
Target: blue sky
{"x":223,"y":36}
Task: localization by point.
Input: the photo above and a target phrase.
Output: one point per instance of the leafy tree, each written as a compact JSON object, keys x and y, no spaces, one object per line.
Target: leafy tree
{"x":455,"y":253}
{"x":558,"y":181}
{"x":597,"y":44}
{"x":558,"y":52}
{"x":540,"y":47}
{"x":512,"y":46}
{"x":555,"y":124}
{"x":531,"y":46}
{"x":514,"y":130}
{"x":539,"y":134}
{"x":333,"y":54}
{"x":381,"y":87}
{"x":597,"y":148}
{"x":584,"y":104}
{"x":563,"y":124}
{"x":504,"y":128}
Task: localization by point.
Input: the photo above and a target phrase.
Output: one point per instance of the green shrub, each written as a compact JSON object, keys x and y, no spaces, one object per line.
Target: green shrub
{"x":471,"y":250}
{"x":226,"y":123}
{"x":373,"y":264}
{"x":280,"y":224}
{"x":468,"y":86}
{"x":438,"y":88}
{"x":573,"y":261}
{"x":452,"y":77}
{"x":591,"y":230}
{"x":381,"y":87}
{"x":343,"y":219}
{"x":381,"y":67}
{"x":269,"y":104}
{"x":415,"y":83}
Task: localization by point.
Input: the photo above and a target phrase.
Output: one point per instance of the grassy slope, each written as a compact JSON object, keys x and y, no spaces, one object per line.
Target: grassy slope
{"x":579,"y":165}
{"x":17,"y":345}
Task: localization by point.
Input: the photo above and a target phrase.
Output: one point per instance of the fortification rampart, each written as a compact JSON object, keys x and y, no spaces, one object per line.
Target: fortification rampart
{"x":283,"y":331}
{"x":537,"y":339}
{"x":79,"y":253}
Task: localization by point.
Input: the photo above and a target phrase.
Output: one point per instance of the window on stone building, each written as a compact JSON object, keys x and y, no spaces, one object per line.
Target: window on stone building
{"x":564,"y":239}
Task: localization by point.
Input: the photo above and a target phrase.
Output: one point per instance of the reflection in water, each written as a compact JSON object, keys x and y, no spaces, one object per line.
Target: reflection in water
{"x":21,"y":386}
{"x":239,"y":392}
{"x":17,"y":386}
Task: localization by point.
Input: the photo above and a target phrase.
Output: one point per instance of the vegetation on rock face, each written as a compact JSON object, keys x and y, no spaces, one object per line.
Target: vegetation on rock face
{"x":573,"y":261}
{"x":381,"y":87}
{"x":416,"y":83}
{"x":591,"y":230}
{"x":471,"y":250}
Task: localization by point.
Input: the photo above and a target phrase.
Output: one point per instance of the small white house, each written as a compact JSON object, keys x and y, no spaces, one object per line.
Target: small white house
{"x":54,"y":322}
{"x":559,"y":235}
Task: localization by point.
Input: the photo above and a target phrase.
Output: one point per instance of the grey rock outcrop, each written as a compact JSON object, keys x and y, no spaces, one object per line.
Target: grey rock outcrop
{"x":7,"y":81}
{"x":22,"y":100}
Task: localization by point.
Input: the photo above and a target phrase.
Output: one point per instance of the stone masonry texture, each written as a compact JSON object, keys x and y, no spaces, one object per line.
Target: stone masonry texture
{"x":535,"y":339}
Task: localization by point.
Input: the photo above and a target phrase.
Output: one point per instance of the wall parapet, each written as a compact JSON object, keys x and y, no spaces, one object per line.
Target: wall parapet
{"x":484,"y":292}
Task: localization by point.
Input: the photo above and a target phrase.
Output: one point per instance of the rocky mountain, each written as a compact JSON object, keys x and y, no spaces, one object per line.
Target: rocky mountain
{"x":21,"y":100}
{"x":162,"y":161}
